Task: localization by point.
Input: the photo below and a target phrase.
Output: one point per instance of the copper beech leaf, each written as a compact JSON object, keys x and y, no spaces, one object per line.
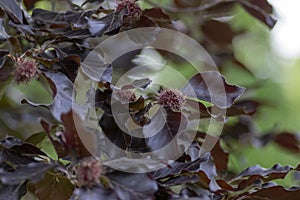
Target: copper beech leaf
{"x":20,"y":147}
{"x":275,"y":193}
{"x":62,"y":90}
{"x":255,"y":173}
{"x":177,"y":168}
{"x":13,"y":9}
{"x":174,"y":124}
{"x":288,"y":141}
{"x":59,"y":147}
{"x":32,"y":171}
{"x":78,"y":140}
{"x":113,"y":132}
{"x":260,"y":10}
{"x":6,"y":67}
{"x":219,"y":155}
{"x":54,"y":186}
{"x":245,"y":107}
{"x":94,"y":193}
{"x":128,"y":186}
{"x":211,"y":86}
{"x":12,"y":192}
{"x":3,"y":35}
{"x":219,"y":32}
{"x":121,"y":186}
{"x":29,"y":4}
{"x":201,"y":172}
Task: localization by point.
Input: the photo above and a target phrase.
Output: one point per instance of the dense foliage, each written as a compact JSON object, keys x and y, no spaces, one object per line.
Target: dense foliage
{"x":49,"y":46}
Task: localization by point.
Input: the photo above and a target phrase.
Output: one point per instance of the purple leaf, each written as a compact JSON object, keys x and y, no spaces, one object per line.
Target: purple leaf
{"x":211,"y":86}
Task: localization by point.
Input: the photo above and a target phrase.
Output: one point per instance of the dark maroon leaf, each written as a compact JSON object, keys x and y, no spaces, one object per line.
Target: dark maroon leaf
{"x":225,"y":186}
{"x":219,"y":32}
{"x":97,"y":27}
{"x":139,"y":107}
{"x":186,"y":192}
{"x":200,"y":108}
{"x":201,"y":172}
{"x":174,"y":124}
{"x":15,"y":153}
{"x":157,"y":15}
{"x":54,"y":186}
{"x":288,"y":141}
{"x":62,"y":89}
{"x":64,"y":58}
{"x":183,"y":6}
{"x":10,"y":159}
{"x":275,"y":193}
{"x":46,"y":16}
{"x":69,"y":66}
{"x":102,"y":99}
{"x":211,"y":86}
{"x":141,"y":83}
{"x":186,"y":4}
{"x":263,"y":4}
{"x":16,"y":145}
{"x":3,"y":54}
{"x":114,"y":128}
{"x":241,"y":130}
{"x":144,"y":21}
{"x":195,"y":193}
{"x":95,"y":193}
{"x":6,"y":67}
{"x":128,"y":186}
{"x":223,"y":8}
{"x":256,"y":174}
{"x":15,"y":44}
{"x":29,"y":4}
{"x":78,"y":19}
{"x":179,"y":180}
{"x":245,"y":107}
{"x":66,"y":26}
{"x":220,"y":156}
{"x":12,"y":8}
{"x":113,"y":131}
{"x":32,"y":171}
{"x":74,"y":49}
{"x":176,"y":168}
{"x":92,"y":1}
{"x":73,"y":136}
{"x":3,"y":35}
{"x":58,"y":145}
{"x":259,"y":13}
{"x":23,"y":28}
{"x":257,"y":170}
{"x":70,"y":34}
{"x":12,"y":192}
{"x":109,"y":23}
{"x":95,"y":68}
